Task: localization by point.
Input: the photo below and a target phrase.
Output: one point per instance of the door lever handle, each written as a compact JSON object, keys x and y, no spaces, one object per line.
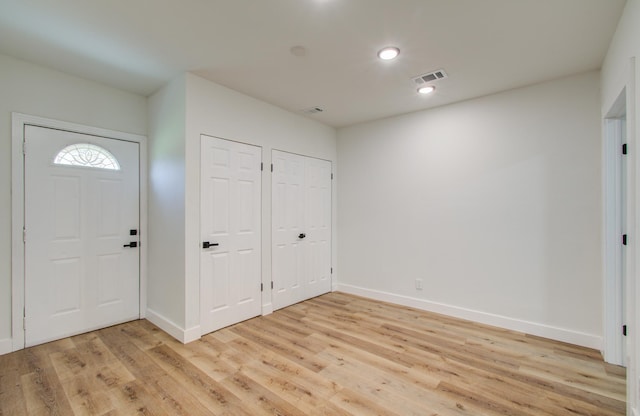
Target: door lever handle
{"x":206,"y":244}
{"x":132,"y":244}
{"x":302,"y":235}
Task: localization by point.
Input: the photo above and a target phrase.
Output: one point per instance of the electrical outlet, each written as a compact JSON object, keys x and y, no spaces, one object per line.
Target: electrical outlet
{"x":418,"y":284}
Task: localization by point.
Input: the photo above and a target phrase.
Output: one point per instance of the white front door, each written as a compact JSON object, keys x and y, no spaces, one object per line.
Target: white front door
{"x":230,"y":260}
{"x":301,"y":228}
{"x":81,"y":218}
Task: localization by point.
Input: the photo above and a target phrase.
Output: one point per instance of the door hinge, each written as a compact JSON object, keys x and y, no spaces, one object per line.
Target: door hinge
{"x":261,"y":287}
{"x":272,"y":285}
{"x":624,"y":149}
{"x":24,"y":148}
{"x":24,"y":323}
{"x":624,"y":330}
{"x":624,"y":239}
{"x":272,"y":167}
{"x":24,"y":235}
{"x":331,"y":175}
{"x":261,"y":166}
{"x":332,"y":270}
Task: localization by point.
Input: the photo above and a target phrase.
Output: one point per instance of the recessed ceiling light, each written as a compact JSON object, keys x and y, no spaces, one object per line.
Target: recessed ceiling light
{"x":426,"y":90}
{"x":388,"y":53}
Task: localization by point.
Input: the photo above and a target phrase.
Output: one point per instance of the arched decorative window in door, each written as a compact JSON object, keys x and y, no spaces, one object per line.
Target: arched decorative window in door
{"x":86,"y":155}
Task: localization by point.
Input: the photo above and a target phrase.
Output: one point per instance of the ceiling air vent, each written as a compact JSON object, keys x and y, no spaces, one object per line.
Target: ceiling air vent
{"x":430,"y":77}
{"x":312,"y":110}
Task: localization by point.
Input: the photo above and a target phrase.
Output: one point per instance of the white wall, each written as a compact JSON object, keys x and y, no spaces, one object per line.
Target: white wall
{"x":494,"y":203}
{"x":217,"y":111}
{"x":34,"y":90}
{"x":166,"y":251}
{"x":624,"y":46}
{"x":621,"y":71}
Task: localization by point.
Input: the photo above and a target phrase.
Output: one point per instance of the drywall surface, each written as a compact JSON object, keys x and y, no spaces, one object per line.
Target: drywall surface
{"x":34,"y":90}
{"x":621,"y":72}
{"x":494,"y":204}
{"x":221,"y":112}
{"x":166,"y":276}
{"x":624,"y":46}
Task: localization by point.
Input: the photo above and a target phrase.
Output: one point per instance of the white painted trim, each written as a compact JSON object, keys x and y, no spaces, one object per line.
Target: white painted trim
{"x":635,"y":412}
{"x":613,"y":347}
{"x":192,"y":334}
{"x":6,"y":346}
{"x":532,"y":328}
{"x":18,"y":122}
{"x":17,"y":227}
{"x":144,"y":226}
{"x":632,"y":286}
{"x":171,"y":328}
{"x":267,"y":309}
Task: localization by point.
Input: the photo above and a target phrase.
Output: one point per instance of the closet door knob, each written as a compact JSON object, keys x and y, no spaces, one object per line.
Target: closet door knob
{"x":302,"y":235}
{"x":207,"y":244}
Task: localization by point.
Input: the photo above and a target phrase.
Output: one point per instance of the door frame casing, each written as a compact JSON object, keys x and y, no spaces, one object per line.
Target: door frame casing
{"x":614,"y":268}
{"x":18,"y":123}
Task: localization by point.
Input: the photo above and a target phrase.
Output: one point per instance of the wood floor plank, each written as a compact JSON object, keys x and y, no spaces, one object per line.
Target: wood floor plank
{"x":301,"y":395}
{"x":41,"y":386}
{"x":12,"y":400}
{"x":209,"y":392}
{"x":336,"y":354}
{"x":280,"y":345}
{"x":355,"y":403}
{"x":408,"y":397}
{"x":134,"y":399}
{"x":85,"y":397}
{"x":386,"y":351}
{"x":143,"y":367}
{"x":259,"y":399}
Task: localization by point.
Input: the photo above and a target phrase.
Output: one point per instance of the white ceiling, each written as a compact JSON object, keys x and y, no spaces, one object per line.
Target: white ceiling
{"x":485,"y":46}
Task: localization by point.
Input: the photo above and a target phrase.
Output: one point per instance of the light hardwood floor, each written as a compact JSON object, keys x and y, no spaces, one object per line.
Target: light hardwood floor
{"x":333,"y":355}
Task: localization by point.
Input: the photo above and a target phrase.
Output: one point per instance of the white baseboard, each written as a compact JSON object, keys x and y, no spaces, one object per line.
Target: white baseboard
{"x":182,"y":335}
{"x":6,"y":346}
{"x":532,"y":328}
{"x":635,"y":412}
{"x":192,"y":334}
{"x":267,"y":309}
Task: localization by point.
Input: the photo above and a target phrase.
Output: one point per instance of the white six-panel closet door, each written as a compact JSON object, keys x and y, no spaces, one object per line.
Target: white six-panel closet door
{"x":301,"y":228}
